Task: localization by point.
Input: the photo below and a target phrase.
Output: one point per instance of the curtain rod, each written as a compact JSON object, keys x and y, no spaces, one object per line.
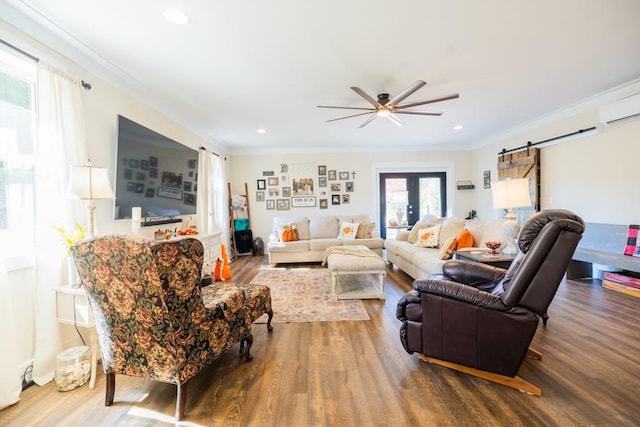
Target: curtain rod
{"x":212,"y":152}
{"x":85,"y":85}
{"x":533,"y":144}
{"x":17,"y":49}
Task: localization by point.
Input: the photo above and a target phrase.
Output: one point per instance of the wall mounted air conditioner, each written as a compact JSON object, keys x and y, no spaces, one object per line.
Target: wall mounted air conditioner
{"x":619,"y":111}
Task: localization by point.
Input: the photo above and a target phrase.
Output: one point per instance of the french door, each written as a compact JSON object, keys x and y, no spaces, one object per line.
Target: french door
{"x":407,"y":197}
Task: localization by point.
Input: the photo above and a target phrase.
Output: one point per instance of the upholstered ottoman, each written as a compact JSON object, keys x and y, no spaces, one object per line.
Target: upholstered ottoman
{"x":356,"y":271}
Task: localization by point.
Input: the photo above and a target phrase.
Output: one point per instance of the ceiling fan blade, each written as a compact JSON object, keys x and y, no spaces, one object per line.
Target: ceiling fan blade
{"x":420,"y":113}
{"x":395,"y":120}
{"x":346,"y":108}
{"x":369,"y":120}
{"x":363,"y":94}
{"x":348,"y":117}
{"x":405,"y":93}
{"x":427,"y":101}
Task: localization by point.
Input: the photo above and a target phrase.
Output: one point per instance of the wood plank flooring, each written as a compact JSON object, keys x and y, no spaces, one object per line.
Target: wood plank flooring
{"x":357,"y":374}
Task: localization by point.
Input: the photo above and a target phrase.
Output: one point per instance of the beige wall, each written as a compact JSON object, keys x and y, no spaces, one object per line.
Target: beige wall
{"x":247,"y":169}
{"x":595,"y":176}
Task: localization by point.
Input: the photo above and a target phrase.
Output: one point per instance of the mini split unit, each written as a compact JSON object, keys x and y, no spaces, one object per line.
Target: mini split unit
{"x":620,"y":111}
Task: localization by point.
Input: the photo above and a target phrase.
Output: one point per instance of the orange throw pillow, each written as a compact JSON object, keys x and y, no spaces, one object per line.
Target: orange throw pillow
{"x":465,"y":239}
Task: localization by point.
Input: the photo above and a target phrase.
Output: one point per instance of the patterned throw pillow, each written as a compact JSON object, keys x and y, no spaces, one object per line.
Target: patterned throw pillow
{"x":348,"y":230}
{"x":465,"y":239}
{"x":428,"y":237}
{"x":413,"y":234}
{"x":448,"y":248}
{"x":365,"y":229}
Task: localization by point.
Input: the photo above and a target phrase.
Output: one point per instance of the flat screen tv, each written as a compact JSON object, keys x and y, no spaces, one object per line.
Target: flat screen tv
{"x":155,"y":173}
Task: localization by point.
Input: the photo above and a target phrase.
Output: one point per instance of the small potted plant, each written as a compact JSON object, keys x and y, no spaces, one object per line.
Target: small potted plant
{"x":68,"y":239}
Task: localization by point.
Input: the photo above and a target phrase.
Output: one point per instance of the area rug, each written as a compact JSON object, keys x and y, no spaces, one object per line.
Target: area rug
{"x":304,"y":295}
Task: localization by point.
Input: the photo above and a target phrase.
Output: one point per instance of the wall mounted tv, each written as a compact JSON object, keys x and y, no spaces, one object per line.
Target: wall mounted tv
{"x":155,"y":173}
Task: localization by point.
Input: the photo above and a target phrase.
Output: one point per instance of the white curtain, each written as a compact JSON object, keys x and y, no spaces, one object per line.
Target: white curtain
{"x":61,"y":143}
{"x":205,"y":202}
{"x":221,"y":199}
{"x":11,"y":385}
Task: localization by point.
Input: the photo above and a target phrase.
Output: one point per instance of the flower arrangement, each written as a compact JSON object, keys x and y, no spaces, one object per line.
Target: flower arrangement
{"x":69,"y":239}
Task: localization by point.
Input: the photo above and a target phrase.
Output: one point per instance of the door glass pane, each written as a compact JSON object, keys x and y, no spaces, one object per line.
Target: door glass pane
{"x":430,"y":196}
{"x":396,"y":200}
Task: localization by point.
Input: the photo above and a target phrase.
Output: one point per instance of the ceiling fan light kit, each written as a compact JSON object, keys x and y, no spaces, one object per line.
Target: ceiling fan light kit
{"x":385,"y":107}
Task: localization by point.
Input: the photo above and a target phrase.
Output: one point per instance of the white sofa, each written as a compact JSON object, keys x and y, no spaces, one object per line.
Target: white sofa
{"x":315,"y":234}
{"x":419,"y":262}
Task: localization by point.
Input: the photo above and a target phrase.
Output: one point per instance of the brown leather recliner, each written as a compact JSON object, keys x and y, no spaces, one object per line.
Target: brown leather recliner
{"x":480,"y":319}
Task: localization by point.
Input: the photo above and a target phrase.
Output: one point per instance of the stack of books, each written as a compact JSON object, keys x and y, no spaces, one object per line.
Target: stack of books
{"x":622,"y":282}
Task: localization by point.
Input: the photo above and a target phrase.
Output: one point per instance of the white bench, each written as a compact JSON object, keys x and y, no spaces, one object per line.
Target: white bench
{"x":358,"y":274}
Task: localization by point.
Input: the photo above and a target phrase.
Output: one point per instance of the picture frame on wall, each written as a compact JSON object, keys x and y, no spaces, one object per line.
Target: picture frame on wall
{"x":322,"y":181}
{"x":286,"y":191}
{"x":303,"y":202}
{"x":324,"y":204}
{"x":322,"y":170}
{"x":170,"y":193}
{"x":303,"y":186}
{"x":271,"y":204}
{"x":283,"y":204}
{"x":260,"y":196}
{"x":346,"y":198}
{"x":261,"y":184}
{"x":335,"y":199}
{"x":336,"y":187}
{"x":348,"y":186}
{"x":189,"y":199}
{"x":332,"y":175}
{"x":344,"y":176}
{"x":273,"y":181}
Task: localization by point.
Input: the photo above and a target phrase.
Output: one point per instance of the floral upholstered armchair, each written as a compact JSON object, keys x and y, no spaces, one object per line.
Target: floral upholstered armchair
{"x":152,"y":320}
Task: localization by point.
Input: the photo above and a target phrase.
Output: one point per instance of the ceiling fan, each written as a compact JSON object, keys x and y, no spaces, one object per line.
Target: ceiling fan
{"x":385,"y":107}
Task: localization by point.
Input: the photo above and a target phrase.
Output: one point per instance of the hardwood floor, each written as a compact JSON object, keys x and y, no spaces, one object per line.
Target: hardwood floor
{"x":357,"y":373}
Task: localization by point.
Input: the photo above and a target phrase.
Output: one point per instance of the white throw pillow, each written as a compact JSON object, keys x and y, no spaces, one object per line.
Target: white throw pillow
{"x":348,"y":231}
{"x":428,"y":237}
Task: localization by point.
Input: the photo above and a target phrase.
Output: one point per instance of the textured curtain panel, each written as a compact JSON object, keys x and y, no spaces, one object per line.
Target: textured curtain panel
{"x":10,"y":386}
{"x":61,"y":142}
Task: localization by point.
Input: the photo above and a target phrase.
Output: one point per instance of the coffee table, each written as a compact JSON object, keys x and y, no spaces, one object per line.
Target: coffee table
{"x":356,"y":274}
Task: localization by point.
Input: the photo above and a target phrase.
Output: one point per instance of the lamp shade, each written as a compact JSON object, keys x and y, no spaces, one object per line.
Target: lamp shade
{"x":89,"y":183}
{"x":511,"y":193}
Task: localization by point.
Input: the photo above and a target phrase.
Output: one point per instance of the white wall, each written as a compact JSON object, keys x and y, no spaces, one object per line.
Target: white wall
{"x":248,"y":169}
{"x":595,"y":176}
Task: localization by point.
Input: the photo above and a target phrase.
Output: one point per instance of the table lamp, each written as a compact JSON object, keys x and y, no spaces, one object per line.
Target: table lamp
{"x":509,"y":194}
{"x":90,"y":183}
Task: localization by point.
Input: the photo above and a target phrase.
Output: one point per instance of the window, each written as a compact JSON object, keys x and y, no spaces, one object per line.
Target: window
{"x":17,"y":149}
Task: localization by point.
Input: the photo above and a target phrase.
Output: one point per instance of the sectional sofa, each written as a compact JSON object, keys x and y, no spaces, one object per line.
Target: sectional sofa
{"x":420,"y":262}
{"x":317,"y":233}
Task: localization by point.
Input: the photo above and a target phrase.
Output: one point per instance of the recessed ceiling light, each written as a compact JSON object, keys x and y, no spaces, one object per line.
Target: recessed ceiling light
{"x":176,"y":16}
{"x":457,"y":127}
{"x":261,"y":130}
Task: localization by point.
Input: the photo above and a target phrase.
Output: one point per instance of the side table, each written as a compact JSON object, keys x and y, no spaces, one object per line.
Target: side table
{"x":499,"y":260}
{"x":391,"y":231}
{"x":72,"y":308}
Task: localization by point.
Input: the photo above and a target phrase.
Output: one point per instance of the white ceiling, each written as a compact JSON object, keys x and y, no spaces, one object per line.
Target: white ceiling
{"x":243,"y":65}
